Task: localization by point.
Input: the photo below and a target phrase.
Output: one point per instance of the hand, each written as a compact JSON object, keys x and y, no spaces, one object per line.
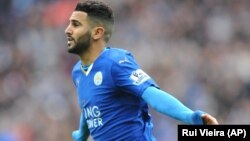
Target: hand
{"x":78,"y":136}
{"x":209,"y":120}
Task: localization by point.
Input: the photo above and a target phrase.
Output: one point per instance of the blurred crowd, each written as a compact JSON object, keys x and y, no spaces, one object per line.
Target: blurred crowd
{"x":197,"y":50}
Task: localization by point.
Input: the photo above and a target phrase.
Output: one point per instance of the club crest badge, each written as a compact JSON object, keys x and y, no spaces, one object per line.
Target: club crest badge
{"x":98,"y":78}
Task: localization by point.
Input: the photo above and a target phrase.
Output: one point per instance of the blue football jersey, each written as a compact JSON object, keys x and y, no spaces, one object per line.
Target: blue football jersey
{"x":109,"y":95}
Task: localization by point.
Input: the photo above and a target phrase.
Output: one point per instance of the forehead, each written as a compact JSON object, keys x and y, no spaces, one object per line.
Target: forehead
{"x":78,"y":16}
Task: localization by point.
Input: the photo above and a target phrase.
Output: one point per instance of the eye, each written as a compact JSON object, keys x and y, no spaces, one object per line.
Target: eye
{"x":75,"y":24}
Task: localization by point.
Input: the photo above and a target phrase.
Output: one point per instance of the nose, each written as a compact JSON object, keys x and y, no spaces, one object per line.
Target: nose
{"x":68,"y":30}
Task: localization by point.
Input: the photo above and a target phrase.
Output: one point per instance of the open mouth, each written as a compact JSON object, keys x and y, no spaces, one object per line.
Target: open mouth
{"x":70,"y":40}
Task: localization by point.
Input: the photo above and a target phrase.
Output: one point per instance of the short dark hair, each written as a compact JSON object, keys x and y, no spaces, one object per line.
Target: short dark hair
{"x":99,"y":13}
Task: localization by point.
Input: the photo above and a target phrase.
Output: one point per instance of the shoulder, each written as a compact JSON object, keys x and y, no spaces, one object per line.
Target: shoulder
{"x":76,"y":69}
{"x":116,"y":55}
{"x":117,"y":50}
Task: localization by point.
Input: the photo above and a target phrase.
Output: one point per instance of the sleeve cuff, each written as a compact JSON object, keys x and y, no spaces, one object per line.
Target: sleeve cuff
{"x":196,"y":117}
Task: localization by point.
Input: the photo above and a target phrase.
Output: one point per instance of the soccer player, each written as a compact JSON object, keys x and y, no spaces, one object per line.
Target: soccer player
{"x":113,"y":91}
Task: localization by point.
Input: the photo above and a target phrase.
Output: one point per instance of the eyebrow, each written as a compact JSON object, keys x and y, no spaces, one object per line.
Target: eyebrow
{"x":75,"y":21}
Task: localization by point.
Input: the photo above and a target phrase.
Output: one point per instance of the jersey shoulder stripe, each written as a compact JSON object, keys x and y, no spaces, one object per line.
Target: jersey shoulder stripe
{"x":117,"y":54}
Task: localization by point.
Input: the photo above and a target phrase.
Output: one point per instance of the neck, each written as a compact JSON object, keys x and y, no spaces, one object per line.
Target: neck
{"x":90,"y":55}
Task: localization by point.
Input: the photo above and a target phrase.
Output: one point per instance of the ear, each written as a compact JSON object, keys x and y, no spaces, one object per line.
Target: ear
{"x":98,"y":32}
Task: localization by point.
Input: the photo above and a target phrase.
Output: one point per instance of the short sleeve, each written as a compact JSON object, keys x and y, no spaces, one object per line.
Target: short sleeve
{"x":129,"y":77}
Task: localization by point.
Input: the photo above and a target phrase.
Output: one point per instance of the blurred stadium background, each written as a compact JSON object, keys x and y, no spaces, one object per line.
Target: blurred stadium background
{"x":197,"y":50}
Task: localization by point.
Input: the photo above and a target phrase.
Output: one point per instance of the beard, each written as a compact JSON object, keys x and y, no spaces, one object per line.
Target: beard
{"x":81,"y":45}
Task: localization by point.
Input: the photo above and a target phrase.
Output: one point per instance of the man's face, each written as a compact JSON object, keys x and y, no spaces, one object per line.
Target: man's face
{"x":78,"y":33}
